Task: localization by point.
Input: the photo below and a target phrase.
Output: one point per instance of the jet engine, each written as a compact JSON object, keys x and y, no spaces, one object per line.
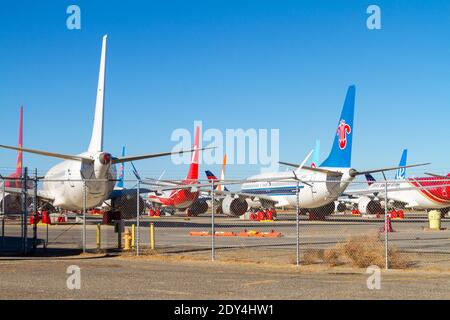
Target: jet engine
{"x":12,"y":203}
{"x":127,"y":205}
{"x":339,"y":206}
{"x":369,"y":206}
{"x":200,"y":206}
{"x":321,"y":212}
{"x":234,"y":206}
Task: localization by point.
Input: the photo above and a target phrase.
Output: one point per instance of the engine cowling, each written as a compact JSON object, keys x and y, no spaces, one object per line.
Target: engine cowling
{"x":200,"y":206}
{"x":322,"y":212}
{"x":127,"y":205}
{"x":12,"y":203}
{"x":369,"y":206}
{"x":339,"y":206}
{"x":234,"y":206}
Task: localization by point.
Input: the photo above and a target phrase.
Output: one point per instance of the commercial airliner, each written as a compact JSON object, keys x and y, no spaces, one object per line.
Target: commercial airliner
{"x":63,"y":186}
{"x":425,"y":193}
{"x":183,"y":199}
{"x":318,"y":187}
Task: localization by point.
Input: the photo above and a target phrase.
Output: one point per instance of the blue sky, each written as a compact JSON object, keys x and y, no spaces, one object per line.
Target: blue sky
{"x":231,"y":64}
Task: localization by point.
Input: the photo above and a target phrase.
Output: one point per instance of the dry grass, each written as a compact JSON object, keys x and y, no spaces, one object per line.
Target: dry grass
{"x":367,"y":250}
{"x":333,"y":257}
{"x":358,"y":251}
{"x":312,"y":256}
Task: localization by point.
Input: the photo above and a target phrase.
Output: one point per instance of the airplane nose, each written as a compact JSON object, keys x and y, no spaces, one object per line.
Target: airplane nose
{"x":105,"y":158}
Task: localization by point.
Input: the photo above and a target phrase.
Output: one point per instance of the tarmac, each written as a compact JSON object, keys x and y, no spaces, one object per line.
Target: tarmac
{"x":244,"y":267}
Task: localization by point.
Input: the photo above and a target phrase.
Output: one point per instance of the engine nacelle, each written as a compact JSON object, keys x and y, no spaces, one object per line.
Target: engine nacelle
{"x":339,"y":206}
{"x":321,"y":212}
{"x":234,"y":206}
{"x":127,"y":205}
{"x":369,"y":206}
{"x":12,"y":203}
{"x":200,"y":206}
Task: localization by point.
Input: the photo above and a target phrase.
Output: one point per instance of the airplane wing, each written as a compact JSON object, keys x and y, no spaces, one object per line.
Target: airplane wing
{"x":153,"y":155}
{"x":154,"y":200}
{"x":437,"y":176}
{"x":50,"y":154}
{"x":381,"y":191}
{"x":30,"y":193}
{"x":243,"y":195}
{"x":116,"y":193}
{"x":353,"y":172}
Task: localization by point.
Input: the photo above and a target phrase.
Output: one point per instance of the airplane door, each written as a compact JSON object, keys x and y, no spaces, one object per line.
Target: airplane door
{"x":69,"y":178}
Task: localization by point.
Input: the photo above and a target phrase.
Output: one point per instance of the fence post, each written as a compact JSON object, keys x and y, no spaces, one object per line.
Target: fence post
{"x":3,"y":214}
{"x":213,"y":232}
{"x":24,"y":211}
{"x":138,"y":220}
{"x":298,"y":224}
{"x":386,"y":229}
{"x":84,"y":216}
{"x":35,"y":210}
{"x":152,"y":236}
{"x":99,"y":237}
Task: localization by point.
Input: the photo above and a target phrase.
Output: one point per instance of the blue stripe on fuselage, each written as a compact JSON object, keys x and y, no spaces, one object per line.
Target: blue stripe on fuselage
{"x":274,"y":191}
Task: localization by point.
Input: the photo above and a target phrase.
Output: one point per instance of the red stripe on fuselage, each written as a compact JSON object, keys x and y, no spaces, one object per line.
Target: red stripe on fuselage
{"x":440,"y":194}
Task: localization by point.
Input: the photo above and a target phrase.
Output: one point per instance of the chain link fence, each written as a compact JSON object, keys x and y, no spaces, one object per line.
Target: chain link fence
{"x":366,"y":225}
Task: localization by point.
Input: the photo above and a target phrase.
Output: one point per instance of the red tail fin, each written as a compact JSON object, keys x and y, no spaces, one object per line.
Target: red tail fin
{"x":193,"y":169}
{"x":19,"y":153}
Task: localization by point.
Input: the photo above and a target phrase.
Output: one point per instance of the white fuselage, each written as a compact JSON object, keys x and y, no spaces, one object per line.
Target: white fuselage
{"x":412,"y":198}
{"x":65,"y":183}
{"x":324,"y":188}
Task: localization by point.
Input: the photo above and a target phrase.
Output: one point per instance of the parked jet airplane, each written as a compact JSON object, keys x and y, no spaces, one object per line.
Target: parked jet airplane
{"x":64,"y":183}
{"x":11,"y":202}
{"x":370,"y":203}
{"x":183,"y":199}
{"x":424,"y":193}
{"x":318,"y":187}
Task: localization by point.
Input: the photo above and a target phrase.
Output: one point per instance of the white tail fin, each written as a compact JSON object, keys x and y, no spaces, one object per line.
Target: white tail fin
{"x":96,"y":143}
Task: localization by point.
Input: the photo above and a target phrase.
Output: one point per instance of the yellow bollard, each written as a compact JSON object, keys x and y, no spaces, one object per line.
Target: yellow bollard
{"x":152,"y":236}
{"x":99,"y":237}
{"x":132,"y":236}
{"x":434,"y":218}
{"x":127,"y":239}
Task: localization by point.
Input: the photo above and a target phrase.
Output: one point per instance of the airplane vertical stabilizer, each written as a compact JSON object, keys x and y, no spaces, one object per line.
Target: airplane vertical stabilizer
{"x":96,"y":144}
{"x":341,"y":152}
{"x":401,"y":172}
{"x":19,"y":164}
{"x":122,"y":171}
{"x":193,"y":169}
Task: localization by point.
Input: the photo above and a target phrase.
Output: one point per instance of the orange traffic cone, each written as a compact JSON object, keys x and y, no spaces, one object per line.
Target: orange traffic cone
{"x":389,"y":224}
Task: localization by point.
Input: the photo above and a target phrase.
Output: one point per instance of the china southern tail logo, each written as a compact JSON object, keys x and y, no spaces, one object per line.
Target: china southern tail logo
{"x":342,"y":131}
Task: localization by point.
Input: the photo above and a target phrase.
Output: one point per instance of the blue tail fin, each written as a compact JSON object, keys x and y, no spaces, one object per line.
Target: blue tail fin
{"x":122,"y":170}
{"x":370,"y":179}
{"x":316,"y":155}
{"x":401,"y":172}
{"x":341,"y":152}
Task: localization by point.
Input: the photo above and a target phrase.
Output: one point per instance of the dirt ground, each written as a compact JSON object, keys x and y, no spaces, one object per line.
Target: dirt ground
{"x":193,"y":276}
